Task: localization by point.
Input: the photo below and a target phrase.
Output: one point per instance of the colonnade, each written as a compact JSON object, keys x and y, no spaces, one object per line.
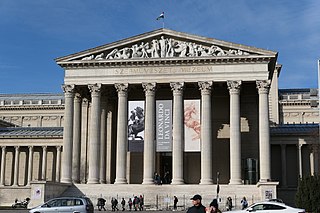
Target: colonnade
{"x":30,"y":165}
{"x":97,"y":127}
{"x":313,"y":161}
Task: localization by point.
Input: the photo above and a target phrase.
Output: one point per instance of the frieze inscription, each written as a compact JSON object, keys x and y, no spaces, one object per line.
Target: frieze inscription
{"x":161,"y":70}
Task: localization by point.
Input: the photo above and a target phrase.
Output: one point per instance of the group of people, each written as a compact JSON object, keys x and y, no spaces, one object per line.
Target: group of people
{"x":159,"y":181}
{"x":136,"y":203}
{"x":214,"y":206}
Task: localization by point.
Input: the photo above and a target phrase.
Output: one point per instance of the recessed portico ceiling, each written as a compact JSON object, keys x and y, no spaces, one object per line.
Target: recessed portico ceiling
{"x":165,"y":44}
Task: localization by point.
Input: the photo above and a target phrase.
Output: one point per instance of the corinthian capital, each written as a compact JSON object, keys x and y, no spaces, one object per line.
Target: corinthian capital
{"x":177,"y":87}
{"x":149,"y":88}
{"x":121,"y":88}
{"x":205,"y":87}
{"x":234,"y":86}
{"x":95,"y":89}
{"x":68,"y":88}
{"x":263,"y":86}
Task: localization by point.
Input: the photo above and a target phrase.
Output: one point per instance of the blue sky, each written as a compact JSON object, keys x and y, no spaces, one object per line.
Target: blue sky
{"x":34,"y":33}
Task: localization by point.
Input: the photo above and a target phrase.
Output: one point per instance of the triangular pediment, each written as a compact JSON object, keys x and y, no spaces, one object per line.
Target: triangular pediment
{"x":164,"y":44}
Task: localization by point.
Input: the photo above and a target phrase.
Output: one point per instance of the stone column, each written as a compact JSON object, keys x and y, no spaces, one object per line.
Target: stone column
{"x":284,"y":165}
{"x":264,"y":131}
{"x":58,"y":163}
{"x":76,"y":139}
{"x":84,"y":140}
{"x":300,"y":159}
{"x":103,"y":138}
{"x":44,"y":163}
{"x":3,"y":165}
{"x":149,"y":133}
{"x":16,"y":166}
{"x":94,"y":141}
{"x":110,"y":145}
{"x":122,"y":133}
{"x":315,"y":148}
{"x":30,"y":164}
{"x":66,"y":176}
{"x":206,"y":133}
{"x":178,"y":133}
{"x":235,"y":132}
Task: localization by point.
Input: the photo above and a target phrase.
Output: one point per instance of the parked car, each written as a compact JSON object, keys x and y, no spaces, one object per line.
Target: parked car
{"x":270,"y":207}
{"x":65,"y":204}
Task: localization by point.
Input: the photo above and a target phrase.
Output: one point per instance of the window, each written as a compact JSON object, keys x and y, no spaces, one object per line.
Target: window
{"x":273,"y":207}
{"x":78,"y":202}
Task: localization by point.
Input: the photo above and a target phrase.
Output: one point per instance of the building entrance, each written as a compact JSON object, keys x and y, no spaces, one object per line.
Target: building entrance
{"x":164,"y":167}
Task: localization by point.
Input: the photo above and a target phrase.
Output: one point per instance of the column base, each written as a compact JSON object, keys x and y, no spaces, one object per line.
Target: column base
{"x":177,"y":182}
{"x":66,"y":180}
{"x":206,"y":182}
{"x":147,"y":181}
{"x":264,"y":180}
{"x":121,"y":181}
{"x":235,"y":182}
{"x":93,"y":181}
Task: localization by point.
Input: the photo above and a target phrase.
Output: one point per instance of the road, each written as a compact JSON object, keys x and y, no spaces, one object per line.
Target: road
{"x":96,"y":211}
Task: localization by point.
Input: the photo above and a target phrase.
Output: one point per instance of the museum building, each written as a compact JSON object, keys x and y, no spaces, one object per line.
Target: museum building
{"x":194,"y":111}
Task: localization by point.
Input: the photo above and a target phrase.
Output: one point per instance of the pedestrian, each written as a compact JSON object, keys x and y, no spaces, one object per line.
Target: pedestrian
{"x":213,"y":207}
{"x":244,"y":203}
{"x":141,"y":203}
{"x":175,"y":201}
{"x":136,"y":202}
{"x":101,"y":203}
{"x":229,"y":204}
{"x":197,"y":205}
{"x":130,"y":204}
{"x":123,"y":204}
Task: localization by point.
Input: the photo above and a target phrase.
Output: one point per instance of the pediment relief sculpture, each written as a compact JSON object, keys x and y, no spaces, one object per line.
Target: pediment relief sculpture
{"x":165,"y":48}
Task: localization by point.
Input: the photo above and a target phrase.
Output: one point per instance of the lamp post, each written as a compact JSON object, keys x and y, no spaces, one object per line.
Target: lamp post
{"x":319,"y":95}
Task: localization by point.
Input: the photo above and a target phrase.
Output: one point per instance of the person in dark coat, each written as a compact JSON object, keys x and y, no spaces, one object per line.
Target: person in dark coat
{"x":197,"y":205}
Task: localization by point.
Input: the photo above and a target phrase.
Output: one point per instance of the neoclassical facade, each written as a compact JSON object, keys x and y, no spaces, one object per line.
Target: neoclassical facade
{"x":222,"y":101}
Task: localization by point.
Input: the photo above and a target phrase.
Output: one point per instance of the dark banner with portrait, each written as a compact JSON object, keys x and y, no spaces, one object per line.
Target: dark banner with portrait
{"x":164,"y":125}
{"x":135,"y":126}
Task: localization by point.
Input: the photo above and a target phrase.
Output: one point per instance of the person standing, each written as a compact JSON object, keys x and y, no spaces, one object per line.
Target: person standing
{"x":175,"y":201}
{"x":244,"y":203}
{"x":130,"y":204}
{"x":197,"y":205}
{"x":213,"y":207}
{"x":123,"y":204}
{"x":229,"y":204}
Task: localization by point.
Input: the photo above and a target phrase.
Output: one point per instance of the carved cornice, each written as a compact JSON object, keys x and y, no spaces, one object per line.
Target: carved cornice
{"x":33,"y":107}
{"x":79,"y":64}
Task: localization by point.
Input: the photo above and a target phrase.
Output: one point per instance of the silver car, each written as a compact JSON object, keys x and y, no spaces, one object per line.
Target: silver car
{"x":65,"y":204}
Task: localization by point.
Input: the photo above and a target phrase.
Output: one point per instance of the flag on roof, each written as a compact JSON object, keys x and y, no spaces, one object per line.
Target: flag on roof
{"x":161,"y":16}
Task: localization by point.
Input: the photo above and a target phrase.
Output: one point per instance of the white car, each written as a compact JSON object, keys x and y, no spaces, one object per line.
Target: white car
{"x":270,"y":207}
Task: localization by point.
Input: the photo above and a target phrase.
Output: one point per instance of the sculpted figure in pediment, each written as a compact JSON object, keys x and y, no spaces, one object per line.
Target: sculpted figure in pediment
{"x":165,"y":48}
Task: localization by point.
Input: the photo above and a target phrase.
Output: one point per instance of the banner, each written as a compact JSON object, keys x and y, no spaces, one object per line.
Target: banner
{"x":135,"y":126}
{"x":192,"y":126}
{"x":164,"y":125}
